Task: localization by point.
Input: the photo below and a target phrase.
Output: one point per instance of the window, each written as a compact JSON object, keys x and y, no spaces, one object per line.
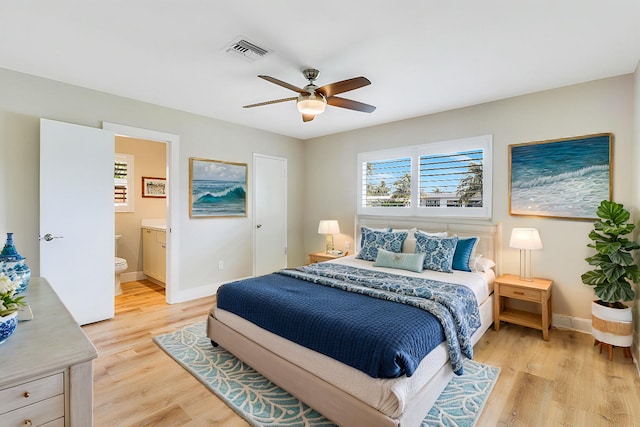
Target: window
{"x":123,"y":183}
{"x":449,"y":178}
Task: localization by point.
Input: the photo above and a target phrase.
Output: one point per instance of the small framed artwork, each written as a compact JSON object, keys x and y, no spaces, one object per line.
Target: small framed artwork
{"x":561,"y":178}
{"x":217,"y":188}
{"x":154,"y":187}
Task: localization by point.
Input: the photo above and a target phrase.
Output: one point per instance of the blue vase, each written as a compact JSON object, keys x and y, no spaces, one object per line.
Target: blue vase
{"x":13,"y":265}
{"x":8,"y":325}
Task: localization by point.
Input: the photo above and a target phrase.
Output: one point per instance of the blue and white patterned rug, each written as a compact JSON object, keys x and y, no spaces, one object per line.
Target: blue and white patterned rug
{"x":262,"y":403}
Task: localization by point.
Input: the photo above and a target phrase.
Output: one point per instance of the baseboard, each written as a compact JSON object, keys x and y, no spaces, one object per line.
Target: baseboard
{"x":572,"y":323}
{"x":201,"y":291}
{"x":132,"y":276}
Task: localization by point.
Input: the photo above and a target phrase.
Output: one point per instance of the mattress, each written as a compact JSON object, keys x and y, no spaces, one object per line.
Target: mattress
{"x":389,"y":396}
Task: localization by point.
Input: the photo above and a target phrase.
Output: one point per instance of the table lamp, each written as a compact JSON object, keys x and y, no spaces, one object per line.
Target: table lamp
{"x":329,"y":227}
{"x":527,"y":240}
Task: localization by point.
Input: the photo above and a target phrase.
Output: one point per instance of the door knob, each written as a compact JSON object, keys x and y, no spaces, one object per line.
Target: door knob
{"x":49,"y":237}
{"x":259,"y":226}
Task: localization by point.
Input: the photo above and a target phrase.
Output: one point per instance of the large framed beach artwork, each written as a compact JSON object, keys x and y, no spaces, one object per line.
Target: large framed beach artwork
{"x":217,"y":188}
{"x":561,"y":178}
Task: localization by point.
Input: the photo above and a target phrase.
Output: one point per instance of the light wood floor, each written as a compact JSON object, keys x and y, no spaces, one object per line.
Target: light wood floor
{"x":562,"y":382}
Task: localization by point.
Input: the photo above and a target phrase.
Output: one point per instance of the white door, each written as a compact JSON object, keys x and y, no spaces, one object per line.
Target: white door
{"x":77,"y":217}
{"x":269,"y":213}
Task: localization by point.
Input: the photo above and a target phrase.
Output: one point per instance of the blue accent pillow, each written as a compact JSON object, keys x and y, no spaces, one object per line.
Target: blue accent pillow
{"x":462,"y":255}
{"x":364,"y":229}
{"x":438,"y":251}
{"x":402,"y":261}
{"x":373,"y":240}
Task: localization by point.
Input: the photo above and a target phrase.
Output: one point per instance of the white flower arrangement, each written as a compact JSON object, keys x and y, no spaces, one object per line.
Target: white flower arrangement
{"x":9,"y":303}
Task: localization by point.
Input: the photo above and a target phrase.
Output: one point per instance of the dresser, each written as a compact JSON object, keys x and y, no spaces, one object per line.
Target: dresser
{"x":46,"y":367}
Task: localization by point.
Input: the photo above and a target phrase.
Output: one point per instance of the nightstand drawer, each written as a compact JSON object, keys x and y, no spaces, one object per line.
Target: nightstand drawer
{"x":519,"y":293}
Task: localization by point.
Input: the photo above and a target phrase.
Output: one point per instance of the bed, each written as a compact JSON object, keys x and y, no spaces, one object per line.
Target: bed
{"x":400,"y":396}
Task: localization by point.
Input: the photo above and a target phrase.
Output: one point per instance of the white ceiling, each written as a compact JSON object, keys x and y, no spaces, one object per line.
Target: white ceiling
{"x":422,"y":56}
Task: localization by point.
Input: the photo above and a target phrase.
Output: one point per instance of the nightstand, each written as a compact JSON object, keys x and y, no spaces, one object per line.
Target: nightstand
{"x":322,"y":257}
{"x":538,"y":291}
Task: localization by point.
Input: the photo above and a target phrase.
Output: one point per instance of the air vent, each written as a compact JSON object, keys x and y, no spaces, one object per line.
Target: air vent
{"x":246,"y":49}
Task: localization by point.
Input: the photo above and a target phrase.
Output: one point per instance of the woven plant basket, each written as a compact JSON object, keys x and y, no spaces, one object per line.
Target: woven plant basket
{"x":612,"y":325}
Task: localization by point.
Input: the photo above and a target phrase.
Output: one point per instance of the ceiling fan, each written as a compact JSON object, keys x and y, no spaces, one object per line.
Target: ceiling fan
{"x":312,"y":99}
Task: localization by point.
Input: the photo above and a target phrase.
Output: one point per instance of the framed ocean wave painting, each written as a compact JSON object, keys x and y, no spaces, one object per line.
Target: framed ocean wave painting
{"x":561,"y":178}
{"x":217,"y":188}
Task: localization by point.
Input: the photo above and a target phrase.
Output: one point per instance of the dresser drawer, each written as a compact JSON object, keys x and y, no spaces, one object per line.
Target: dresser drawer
{"x":519,"y":293}
{"x":55,"y":423}
{"x":38,"y":414}
{"x":30,"y":392}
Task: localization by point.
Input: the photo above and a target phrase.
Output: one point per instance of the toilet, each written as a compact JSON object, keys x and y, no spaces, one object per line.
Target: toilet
{"x":120,"y":266}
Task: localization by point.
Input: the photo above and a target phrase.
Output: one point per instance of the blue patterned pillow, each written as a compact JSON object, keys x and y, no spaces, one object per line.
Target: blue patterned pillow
{"x":364,"y":230}
{"x":438,"y":251}
{"x":372,"y":240}
{"x":462,"y":255}
{"x":403,"y":261}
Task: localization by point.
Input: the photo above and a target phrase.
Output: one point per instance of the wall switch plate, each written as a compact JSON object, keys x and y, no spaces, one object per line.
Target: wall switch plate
{"x":221,"y":265}
{"x":347,"y":245}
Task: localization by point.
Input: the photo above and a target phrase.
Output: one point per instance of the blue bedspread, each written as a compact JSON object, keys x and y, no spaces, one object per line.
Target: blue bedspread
{"x":385,"y":336}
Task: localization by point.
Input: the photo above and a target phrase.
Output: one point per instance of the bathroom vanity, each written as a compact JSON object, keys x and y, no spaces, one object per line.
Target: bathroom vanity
{"x":154,"y":252}
{"x":47,"y":366}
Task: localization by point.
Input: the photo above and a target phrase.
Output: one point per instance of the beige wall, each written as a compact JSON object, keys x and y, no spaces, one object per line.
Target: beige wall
{"x":599,"y":106}
{"x":25,"y":99}
{"x":150,"y":160}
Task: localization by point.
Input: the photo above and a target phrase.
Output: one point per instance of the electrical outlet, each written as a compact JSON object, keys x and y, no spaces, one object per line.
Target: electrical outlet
{"x":221,"y":265}
{"x":347,"y":245}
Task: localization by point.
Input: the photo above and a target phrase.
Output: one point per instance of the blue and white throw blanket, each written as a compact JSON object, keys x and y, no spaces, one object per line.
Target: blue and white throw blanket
{"x":455,"y":306}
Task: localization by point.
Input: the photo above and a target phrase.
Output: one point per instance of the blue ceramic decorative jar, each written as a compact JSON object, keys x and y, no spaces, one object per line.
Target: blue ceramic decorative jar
{"x":8,"y":325}
{"x":13,"y":265}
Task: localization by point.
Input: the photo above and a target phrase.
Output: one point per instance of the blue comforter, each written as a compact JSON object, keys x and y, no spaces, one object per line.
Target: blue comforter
{"x":383,"y":325}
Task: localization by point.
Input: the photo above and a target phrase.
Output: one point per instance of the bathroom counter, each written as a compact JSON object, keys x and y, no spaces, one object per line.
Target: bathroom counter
{"x":155,"y":227}
{"x":155,"y":224}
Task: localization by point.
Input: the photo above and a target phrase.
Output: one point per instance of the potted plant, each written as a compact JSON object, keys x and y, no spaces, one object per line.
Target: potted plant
{"x":9,"y":305}
{"x":613,"y":275}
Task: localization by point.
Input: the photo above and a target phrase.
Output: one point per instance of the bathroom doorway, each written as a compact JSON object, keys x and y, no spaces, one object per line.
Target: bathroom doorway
{"x":151,"y":209}
{"x":140,"y":214}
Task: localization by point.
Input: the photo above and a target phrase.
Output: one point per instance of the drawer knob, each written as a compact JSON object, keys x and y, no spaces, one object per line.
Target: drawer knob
{"x":28,"y":423}
{"x":27,"y":395}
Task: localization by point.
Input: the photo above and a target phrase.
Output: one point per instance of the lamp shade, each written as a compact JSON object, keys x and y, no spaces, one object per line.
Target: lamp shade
{"x":328,"y":226}
{"x":311,"y":104}
{"x":525,"y":238}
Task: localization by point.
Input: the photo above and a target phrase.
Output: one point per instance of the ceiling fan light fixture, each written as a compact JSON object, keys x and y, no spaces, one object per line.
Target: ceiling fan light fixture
{"x":311,"y":104}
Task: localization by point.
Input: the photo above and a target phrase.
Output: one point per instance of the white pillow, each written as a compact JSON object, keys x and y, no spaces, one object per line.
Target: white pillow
{"x":483,"y":264}
{"x":434,"y":233}
{"x":409,"y":245}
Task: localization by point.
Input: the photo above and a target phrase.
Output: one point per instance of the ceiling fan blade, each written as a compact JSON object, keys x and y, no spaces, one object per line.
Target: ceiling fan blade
{"x":350,"y":104}
{"x":283,"y":84}
{"x":307,"y":117}
{"x":275,"y":101}
{"x":343,"y":86}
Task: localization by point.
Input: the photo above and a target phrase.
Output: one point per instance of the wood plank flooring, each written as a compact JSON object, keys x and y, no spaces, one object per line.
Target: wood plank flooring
{"x":562,"y":382}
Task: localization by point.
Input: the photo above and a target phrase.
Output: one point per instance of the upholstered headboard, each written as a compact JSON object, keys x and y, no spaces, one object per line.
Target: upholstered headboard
{"x":489,"y":235}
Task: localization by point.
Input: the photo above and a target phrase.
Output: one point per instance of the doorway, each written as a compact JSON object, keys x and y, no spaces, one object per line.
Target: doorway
{"x":172,"y":192}
{"x":140,"y":214}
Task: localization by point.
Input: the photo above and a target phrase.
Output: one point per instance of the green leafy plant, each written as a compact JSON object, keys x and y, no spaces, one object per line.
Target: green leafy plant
{"x":615,"y":268}
{"x":9,"y":302}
